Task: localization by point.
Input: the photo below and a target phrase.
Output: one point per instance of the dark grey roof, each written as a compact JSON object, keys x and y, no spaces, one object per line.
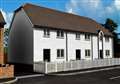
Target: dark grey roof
{"x":45,"y":17}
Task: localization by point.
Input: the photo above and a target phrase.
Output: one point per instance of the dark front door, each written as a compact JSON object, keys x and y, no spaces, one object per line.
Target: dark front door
{"x":46,"y":55}
{"x":78,"y":54}
{"x":101,"y":54}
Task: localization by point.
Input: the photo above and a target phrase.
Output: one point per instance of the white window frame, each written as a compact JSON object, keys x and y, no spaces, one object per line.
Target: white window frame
{"x":87,"y":53}
{"x":107,"y":53}
{"x":60,"y":34}
{"x":107,"y":39}
{"x":87,"y":37}
{"x":46,"y":33}
{"x":77,"y":36}
{"x":60,"y":53}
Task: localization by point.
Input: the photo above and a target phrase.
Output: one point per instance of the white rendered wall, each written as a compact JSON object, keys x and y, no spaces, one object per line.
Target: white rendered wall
{"x":108,"y":46}
{"x":53,"y":43}
{"x":74,"y":44}
{"x":95,"y":47}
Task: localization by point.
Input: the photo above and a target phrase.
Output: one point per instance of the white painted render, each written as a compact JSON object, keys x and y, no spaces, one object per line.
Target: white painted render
{"x":95,"y":47}
{"x":53,"y":43}
{"x":108,"y":46}
{"x":74,"y":44}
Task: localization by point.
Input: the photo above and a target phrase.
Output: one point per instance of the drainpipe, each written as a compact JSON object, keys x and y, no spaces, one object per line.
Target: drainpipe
{"x":98,"y":48}
{"x":103,"y":47}
{"x":92,"y":46}
{"x":66,"y":47}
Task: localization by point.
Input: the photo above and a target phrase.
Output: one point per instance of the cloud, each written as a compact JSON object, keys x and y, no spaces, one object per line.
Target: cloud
{"x":117,"y":4}
{"x":70,"y":10}
{"x":8,"y":17}
{"x":76,"y":4}
{"x":98,"y":10}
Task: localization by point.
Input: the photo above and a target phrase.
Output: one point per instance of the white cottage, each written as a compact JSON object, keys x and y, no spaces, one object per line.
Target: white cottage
{"x":40,"y":34}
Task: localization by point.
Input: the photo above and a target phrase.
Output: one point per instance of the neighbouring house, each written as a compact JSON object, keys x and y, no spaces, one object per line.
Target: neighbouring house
{"x":6,"y":70}
{"x":41,"y":34}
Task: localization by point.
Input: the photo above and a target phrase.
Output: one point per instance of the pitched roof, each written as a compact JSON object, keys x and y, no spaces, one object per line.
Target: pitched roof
{"x":2,"y":21}
{"x":44,"y":17}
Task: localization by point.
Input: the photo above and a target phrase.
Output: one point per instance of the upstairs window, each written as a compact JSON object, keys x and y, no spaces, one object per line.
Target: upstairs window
{"x":101,"y":38}
{"x":87,"y":53}
{"x":46,"y":33}
{"x":107,"y":52}
{"x":60,"y":34}
{"x":77,"y":36}
{"x":87,"y":37}
{"x":107,"y":39}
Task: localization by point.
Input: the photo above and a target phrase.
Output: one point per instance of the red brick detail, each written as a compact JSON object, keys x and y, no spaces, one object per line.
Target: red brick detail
{"x":7,"y":71}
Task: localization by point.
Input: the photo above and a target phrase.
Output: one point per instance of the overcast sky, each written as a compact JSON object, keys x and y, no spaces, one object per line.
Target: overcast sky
{"x":98,"y":10}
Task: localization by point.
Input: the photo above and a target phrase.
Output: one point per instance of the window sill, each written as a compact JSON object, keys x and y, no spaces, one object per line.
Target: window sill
{"x":87,"y":56}
{"x":60,"y":57}
{"x":46,"y":36}
{"x":87,"y":39}
{"x":107,"y":41}
{"x":60,"y":37}
{"x":107,"y":55}
{"x":77,"y":39}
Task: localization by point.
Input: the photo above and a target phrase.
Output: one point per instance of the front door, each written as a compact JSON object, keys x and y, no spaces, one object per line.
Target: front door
{"x":101,"y":54}
{"x":46,"y":55}
{"x":78,"y":54}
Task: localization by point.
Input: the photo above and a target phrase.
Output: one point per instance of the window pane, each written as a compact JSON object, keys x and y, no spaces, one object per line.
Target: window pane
{"x":106,"y":52}
{"x":88,"y":52}
{"x":58,"y":53}
{"x":62,"y":34}
{"x":44,"y":31}
{"x":107,"y":39}
{"x":58,"y":33}
{"x":85,"y":52}
{"x":48,"y":32}
{"x":87,"y":37}
{"x":78,"y":36}
{"x":62,"y":53}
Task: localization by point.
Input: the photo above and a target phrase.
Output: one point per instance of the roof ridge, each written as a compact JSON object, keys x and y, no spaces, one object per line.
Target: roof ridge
{"x":57,"y":11}
{"x":65,"y":21}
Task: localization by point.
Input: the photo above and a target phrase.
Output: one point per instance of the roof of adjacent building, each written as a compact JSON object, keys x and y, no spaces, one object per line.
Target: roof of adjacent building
{"x":2,"y":21}
{"x":45,"y":17}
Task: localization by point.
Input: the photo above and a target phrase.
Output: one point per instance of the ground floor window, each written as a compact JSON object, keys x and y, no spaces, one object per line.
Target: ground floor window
{"x":87,"y":52}
{"x":60,"y":53}
{"x":107,"y":52}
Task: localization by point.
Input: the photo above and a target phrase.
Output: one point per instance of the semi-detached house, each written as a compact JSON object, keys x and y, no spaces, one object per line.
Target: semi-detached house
{"x":42,"y":34}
